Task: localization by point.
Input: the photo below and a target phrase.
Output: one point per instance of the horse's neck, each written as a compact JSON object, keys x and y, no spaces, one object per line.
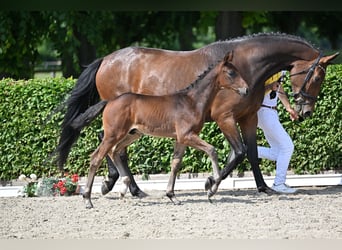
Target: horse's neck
{"x":203,"y":91}
{"x":259,"y":57}
{"x":266,"y":61}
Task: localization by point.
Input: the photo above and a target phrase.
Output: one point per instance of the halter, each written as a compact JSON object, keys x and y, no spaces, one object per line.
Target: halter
{"x":308,"y":76}
{"x":240,"y":91}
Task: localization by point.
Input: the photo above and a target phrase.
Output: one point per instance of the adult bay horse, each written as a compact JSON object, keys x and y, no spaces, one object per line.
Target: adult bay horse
{"x":180,"y":116}
{"x":159,"y":72}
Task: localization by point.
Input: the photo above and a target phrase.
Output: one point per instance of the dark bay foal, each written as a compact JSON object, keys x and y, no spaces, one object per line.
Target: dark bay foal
{"x":180,"y":116}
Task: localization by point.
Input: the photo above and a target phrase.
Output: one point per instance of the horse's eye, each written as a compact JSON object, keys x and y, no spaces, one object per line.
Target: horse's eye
{"x":231,"y":73}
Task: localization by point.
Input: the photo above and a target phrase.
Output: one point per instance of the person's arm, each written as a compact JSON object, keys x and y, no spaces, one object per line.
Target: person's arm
{"x":285,"y":101}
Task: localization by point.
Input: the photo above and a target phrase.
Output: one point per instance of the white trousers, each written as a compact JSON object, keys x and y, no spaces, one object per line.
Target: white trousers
{"x":281,"y":143}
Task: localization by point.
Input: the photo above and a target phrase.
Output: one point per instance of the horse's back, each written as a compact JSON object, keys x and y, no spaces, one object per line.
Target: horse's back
{"x":148,"y":71}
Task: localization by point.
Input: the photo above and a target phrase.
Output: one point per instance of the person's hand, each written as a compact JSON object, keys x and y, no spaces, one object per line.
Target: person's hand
{"x":293,"y":114}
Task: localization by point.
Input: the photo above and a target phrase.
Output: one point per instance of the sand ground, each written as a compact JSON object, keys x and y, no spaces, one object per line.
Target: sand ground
{"x":312,"y":213}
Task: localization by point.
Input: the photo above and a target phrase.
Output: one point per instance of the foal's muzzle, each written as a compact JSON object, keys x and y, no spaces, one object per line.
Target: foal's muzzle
{"x":242,"y":91}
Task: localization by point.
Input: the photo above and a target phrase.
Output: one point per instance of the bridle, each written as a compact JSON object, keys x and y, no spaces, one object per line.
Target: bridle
{"x":309,"y":72}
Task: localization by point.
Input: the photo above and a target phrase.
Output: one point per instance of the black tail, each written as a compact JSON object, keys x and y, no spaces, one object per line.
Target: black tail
{"x":88,"y":116}
{"x":82,"y":96}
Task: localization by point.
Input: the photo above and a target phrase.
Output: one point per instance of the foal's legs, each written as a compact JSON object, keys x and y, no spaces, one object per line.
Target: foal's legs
{"x":193,"y":140}
{"x":178,"y":152}
{"x":95,"y":162}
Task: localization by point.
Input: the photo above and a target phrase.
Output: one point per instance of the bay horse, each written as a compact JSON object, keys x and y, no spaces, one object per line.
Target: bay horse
{"x":159,"y":72}
{"x":180,"y":116}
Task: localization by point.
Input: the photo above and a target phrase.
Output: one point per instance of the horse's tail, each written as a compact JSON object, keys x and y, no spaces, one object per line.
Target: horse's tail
{"x":81,"y":98}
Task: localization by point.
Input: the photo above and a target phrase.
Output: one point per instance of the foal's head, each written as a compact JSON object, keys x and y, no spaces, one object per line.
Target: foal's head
{"x":306,"y":78}
{"x":228,"y":77}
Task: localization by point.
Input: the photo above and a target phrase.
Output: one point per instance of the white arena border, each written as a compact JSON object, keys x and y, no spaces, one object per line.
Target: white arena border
{"x":198,"y":183}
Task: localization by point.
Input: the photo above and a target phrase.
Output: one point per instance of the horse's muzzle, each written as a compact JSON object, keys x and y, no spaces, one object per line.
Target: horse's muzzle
{"x":303,"y":113}
{"x":307,"y":114}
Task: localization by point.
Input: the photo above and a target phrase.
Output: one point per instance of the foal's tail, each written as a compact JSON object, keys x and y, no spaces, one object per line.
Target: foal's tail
{"x":83,"y":96}
{"x":88,"y":116}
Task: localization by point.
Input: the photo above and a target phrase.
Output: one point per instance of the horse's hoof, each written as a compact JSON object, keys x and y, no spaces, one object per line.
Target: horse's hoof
{"x":173,"y":199}
{"x":209,"y":183}
{"x":105,"y":188}
{"x":266,"y":190}
{"x":139,"y":194}
{"x":89,"y":205}
{"x":210,"y":193}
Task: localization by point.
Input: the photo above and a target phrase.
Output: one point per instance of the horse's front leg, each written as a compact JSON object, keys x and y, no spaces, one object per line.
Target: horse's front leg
{"x":229,"y":128}
{"x":249,"y":130}
{"x":178,"y":153}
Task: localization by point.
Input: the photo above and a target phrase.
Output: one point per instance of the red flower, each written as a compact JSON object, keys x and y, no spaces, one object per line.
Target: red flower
{"x":74,"y":178}
{"x":66,"y":186}
{"x":60,"y":184}
{"x":63,"y":190}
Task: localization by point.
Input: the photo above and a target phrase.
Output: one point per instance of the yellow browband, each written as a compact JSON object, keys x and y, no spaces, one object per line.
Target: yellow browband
{"x":272,"y":79}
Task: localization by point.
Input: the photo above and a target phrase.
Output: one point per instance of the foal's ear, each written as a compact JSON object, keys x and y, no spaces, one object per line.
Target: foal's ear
{"x":228,"y":57}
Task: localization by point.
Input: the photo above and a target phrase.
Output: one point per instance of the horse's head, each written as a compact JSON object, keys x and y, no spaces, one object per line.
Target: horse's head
{"x":229,"y":77}
{"x":306,"y":78}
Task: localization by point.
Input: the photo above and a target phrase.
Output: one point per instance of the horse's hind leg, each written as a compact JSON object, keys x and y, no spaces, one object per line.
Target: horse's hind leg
{"x":178,"y":152}
{"x":122,"y":166}
{"x":133,"y":186}
{"x":113,"y":175}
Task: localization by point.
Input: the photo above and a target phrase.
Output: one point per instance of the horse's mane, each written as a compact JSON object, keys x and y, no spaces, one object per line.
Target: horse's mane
{"x":266,"y":35}
{"x":199,"y":78}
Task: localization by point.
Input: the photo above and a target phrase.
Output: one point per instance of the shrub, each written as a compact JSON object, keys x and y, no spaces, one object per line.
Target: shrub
{"x":30,"y":132}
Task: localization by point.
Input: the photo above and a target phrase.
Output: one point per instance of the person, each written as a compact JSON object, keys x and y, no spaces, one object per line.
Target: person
{"x":281,"y":145}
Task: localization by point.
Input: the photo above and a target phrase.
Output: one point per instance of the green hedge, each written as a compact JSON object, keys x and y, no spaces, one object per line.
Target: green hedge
{"x":28,"y":137}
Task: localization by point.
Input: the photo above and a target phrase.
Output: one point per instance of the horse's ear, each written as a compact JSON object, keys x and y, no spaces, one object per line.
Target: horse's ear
{"x":328,"y":59}
{"x":229,"y":56}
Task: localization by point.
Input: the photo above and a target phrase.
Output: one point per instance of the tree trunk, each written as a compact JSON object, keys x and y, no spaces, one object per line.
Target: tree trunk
{"x":229,"y":25}
{"x":86,"y":52}
{"x":186,"y":37}
{"x":68,"y":68}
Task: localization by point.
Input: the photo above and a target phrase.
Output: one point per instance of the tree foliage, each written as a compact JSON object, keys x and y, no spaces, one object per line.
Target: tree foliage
{"x":81,"y":36}
{"x":20,"y":34}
